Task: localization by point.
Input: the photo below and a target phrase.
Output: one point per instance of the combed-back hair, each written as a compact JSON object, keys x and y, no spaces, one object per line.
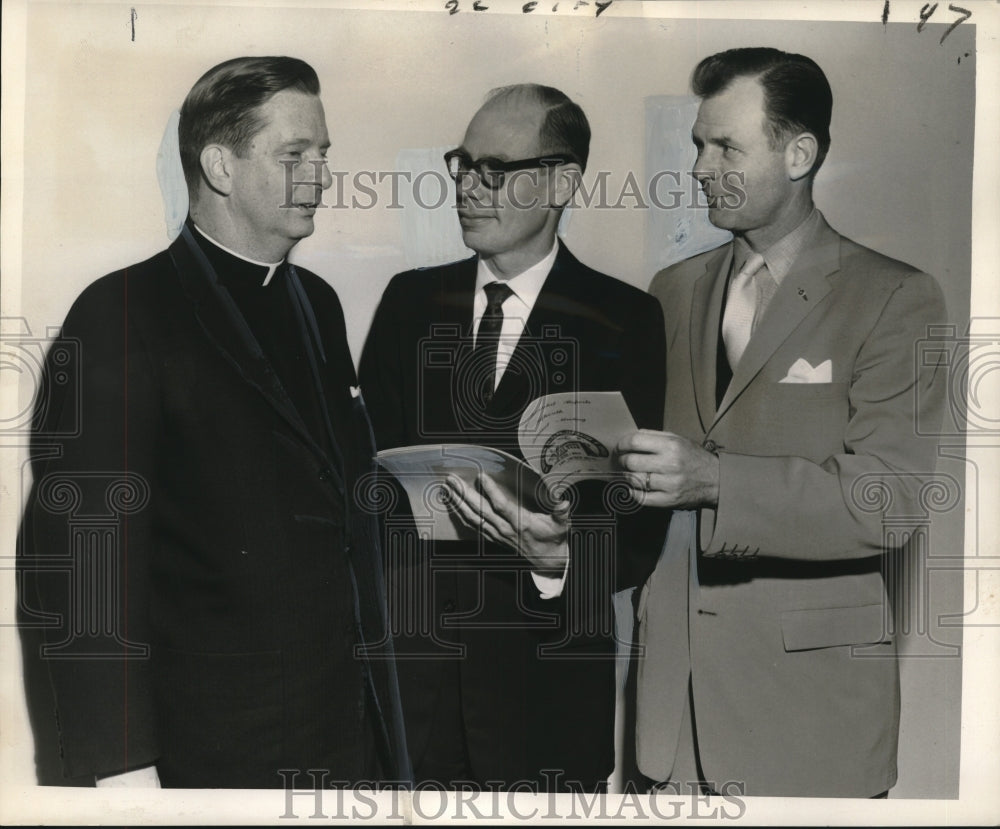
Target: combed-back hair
{"x":797,"y":95}
{"x":223,"y":107}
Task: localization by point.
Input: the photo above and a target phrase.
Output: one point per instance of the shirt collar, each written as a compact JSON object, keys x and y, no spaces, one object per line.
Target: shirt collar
{"x":527,"y":285}
{"x":271,"y":266}
{"x":781,"y":256}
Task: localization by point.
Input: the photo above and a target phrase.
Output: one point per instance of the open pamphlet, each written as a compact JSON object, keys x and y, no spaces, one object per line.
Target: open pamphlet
{"x":563,"y":437}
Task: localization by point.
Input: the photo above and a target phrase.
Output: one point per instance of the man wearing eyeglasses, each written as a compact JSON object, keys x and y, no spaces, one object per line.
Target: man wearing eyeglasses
{"x":506,"y":660}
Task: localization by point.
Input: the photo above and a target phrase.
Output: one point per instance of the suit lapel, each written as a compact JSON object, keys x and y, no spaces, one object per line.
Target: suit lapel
{"x":706,"y":307}
{"x":800,"y":292}
{"x":441,"y":321}
{"x":457,"y":297}
{"x":225,"y":327}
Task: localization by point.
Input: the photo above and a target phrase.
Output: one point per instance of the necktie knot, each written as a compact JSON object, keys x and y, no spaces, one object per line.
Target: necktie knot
{"x":496,"y":294}
{"x":753,"y":264}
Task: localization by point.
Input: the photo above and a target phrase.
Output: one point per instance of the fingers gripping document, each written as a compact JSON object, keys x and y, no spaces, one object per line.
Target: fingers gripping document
{"x":563,"y":438}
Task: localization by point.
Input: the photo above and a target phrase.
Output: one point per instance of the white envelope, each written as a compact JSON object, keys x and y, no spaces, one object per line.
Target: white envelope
{"x":802,"y":372}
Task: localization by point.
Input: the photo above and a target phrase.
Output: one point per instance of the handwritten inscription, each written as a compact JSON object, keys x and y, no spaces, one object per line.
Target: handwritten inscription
{"x":598,"y":6}
{"x":927,"y":11}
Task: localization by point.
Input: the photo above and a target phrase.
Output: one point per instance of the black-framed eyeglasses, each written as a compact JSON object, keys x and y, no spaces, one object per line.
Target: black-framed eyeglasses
{"x":493,"y":172}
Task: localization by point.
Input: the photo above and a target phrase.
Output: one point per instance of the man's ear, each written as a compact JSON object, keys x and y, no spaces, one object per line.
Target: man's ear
{"x":566,"y":181}
{"x":217,"y":168}
{"x":801,"y":153}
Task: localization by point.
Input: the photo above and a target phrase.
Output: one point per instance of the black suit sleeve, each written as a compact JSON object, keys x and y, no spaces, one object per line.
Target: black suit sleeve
{"x":381,"y":371}
{"x":88,"y":535}
{"x":644,"y":363}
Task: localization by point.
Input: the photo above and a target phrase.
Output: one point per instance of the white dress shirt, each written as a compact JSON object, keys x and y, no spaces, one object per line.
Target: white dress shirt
{"x":516,"y":308}
{"x":526,"y":287}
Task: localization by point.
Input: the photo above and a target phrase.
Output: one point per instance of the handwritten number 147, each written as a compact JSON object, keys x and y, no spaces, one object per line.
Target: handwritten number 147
{"x":925,"y":15}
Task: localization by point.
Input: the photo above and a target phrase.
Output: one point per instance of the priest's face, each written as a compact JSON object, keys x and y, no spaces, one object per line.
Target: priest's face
{"x":278,"y":184}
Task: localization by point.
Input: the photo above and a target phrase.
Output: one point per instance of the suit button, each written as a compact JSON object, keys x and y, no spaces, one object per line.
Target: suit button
{"x":488,"y":397}
{"x":711,"y":446}
{"x":449,"y":606}
{"x":324,"y":475}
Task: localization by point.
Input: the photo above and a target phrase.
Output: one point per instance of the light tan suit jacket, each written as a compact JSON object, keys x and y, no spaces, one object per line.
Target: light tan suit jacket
{"x":785,"y":634}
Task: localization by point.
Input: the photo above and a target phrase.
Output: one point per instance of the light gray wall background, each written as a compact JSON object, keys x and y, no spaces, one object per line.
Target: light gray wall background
{"x":398,"y":84}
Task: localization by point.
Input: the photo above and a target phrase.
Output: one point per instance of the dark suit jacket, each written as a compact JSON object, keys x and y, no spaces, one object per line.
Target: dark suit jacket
{"x":787,"y":635}
{"x":537,"y":676}
{"x":195,"y":554}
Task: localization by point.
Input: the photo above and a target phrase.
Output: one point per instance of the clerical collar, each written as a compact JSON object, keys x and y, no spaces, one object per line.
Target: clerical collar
{"x":272,"y":267}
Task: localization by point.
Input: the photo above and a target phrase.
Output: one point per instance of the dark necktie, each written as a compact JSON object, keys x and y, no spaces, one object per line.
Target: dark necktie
{"x":488,"y":339}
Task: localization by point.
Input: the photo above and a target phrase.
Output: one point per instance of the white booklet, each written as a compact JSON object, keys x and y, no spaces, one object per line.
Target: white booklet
{"x":563,"y":437}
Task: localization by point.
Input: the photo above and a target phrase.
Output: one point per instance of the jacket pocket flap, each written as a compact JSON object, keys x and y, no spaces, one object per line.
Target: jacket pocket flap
{"x":829,"y":627}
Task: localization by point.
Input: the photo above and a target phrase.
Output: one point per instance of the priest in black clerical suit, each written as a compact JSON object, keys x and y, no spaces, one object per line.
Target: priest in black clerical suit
{"x":506,"y":661}
{"x":237,"y":629}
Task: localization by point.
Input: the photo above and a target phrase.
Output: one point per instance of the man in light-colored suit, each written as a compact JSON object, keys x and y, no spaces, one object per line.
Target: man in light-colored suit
{"x":792,"y":394}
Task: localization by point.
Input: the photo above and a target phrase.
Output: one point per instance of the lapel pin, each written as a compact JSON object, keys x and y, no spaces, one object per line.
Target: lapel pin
{"x":802,"y":294}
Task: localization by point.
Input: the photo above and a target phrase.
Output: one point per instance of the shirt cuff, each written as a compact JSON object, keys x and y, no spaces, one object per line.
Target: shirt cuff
{"x":550,"y":587}
{"x":145,"y":777}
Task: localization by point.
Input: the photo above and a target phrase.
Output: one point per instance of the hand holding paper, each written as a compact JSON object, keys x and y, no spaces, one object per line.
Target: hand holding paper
{"x":564,"y":438}
{"x":539,"y":537}
{"x":667,"y":470}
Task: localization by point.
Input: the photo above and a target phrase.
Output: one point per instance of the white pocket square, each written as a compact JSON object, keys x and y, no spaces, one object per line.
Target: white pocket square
{"x":802,"y":372}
